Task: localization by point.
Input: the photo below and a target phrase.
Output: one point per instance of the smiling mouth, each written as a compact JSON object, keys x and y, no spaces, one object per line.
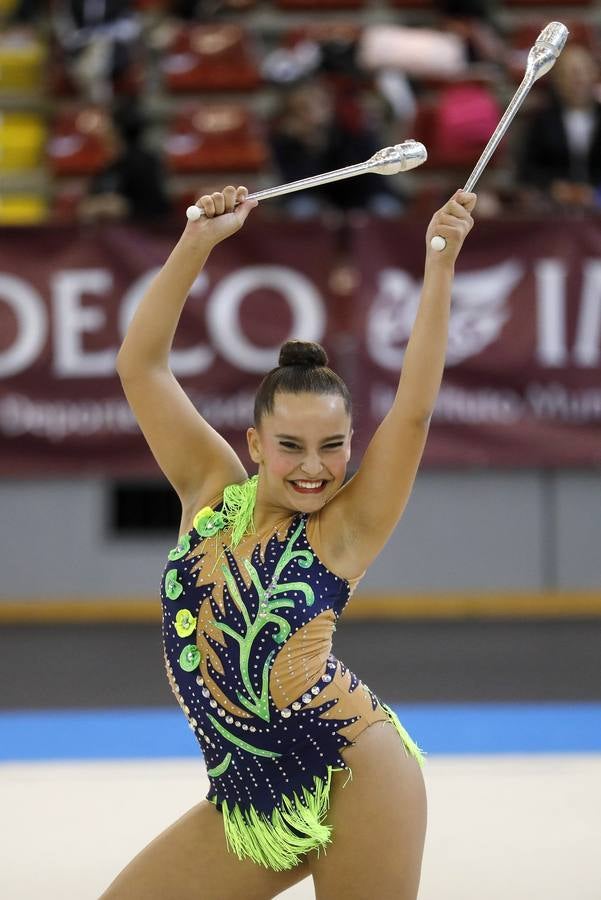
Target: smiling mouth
{"x":308,"y":487}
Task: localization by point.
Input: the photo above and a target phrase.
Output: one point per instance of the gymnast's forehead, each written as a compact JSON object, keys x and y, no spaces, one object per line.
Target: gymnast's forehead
{"x":309,"y":412}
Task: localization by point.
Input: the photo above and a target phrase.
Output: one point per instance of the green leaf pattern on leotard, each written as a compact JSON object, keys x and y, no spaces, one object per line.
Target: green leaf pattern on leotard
{"x":254,"y":702}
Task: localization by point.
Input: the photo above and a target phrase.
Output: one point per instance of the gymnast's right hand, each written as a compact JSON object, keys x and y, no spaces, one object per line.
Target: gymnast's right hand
{"x":224,"y":214}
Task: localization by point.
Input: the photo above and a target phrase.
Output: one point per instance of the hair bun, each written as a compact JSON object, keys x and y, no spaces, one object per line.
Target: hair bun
{"x":303,"y":353}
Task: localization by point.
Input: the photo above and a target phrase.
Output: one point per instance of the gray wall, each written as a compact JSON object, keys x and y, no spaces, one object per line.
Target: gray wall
{"x":463,"y":530}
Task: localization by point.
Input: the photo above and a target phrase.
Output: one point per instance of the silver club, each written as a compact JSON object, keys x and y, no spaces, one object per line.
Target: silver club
{"x":388,"y":161}
{"x":541,"y":58}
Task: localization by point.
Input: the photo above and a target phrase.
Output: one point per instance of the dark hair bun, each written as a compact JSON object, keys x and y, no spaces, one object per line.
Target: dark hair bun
{"x":303,"y":353}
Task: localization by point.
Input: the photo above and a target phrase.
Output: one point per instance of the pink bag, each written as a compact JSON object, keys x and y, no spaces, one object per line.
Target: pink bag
{"x":466,"y":116}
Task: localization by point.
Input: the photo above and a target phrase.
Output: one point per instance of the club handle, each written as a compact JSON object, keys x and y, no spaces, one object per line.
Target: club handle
{"x":438,"y":243}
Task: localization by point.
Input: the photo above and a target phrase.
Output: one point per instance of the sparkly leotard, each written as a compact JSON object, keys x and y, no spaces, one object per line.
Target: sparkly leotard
{"x":247,"y":638}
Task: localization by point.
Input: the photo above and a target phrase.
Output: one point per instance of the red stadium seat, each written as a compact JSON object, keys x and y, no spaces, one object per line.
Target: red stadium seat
{"x":321,"y":32}
{"x":210,"y":58}
{"x":77,"y":145}
{"x":216,"y":138}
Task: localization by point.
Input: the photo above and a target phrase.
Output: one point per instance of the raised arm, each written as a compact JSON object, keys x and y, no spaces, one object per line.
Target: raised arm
{"x":194,"y":457}
{"x":368,"y":507}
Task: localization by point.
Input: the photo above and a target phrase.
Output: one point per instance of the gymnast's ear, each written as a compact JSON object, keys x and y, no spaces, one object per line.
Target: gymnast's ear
{"x":254,"y":445}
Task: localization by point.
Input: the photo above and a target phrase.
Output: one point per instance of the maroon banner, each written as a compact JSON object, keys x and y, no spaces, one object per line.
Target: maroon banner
{"x":521,"y":387}
{"x":66,"y":297}
{"x":522,"y":382}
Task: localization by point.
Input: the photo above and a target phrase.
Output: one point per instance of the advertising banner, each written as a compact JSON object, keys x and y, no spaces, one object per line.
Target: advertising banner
{"x":522,"y":385}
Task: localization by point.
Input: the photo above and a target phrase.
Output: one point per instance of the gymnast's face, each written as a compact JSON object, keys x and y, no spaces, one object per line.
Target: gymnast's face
{"x":302,"y":449}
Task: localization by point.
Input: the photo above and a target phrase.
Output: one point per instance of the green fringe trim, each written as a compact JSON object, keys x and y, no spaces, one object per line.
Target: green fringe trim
{"x":408,"y":742}
{"x":238,"y":508}
{"x":279,"y":841}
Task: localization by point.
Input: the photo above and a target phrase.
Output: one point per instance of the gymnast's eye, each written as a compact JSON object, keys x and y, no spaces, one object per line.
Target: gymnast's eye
{"x":288,"y":445}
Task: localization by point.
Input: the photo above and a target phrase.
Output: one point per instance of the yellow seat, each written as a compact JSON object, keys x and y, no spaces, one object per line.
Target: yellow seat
{"x":22,"y":209}
{"x":22,"y":62}
{"x":22,"y":141}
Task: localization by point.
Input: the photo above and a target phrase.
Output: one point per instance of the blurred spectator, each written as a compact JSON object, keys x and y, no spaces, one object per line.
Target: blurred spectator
{"x":472,"y":21}
{"x":314,"y":134}
{"x":132,"y":185}
{"x":99,"y":39}
{"x":560,"y":158}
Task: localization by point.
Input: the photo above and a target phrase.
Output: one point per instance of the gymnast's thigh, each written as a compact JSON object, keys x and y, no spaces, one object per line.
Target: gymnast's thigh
{"x":378,"y":823}
{"x":190,"y":861}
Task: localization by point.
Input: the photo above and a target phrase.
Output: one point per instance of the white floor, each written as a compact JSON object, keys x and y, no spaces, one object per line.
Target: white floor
{"x":500,"y":828}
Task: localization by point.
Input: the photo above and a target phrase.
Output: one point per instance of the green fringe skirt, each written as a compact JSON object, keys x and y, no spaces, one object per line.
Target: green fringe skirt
{"x":279,"y":841}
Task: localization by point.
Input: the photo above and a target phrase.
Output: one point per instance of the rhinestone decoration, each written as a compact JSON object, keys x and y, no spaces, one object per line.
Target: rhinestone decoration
{"x":315,"y":690}
{"x":286,"y":713}
{"x":213,"y":703}
{"x":326,"y":678}
{"x":221,"y":712}
{"x":205,"y":692}
{"x":229,"y":719}
{"x":307,"y":698}
{"x":296,"y":705}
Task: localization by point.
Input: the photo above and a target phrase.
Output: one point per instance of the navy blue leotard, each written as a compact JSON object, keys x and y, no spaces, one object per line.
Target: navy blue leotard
{"x":247,"y":638}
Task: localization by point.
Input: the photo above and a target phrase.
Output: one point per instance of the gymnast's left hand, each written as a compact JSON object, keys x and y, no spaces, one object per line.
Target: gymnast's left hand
{"x":453,"y":222}
{"x":225,"y":213}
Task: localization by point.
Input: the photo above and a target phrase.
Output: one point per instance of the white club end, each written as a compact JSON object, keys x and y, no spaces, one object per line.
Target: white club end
{"x":438,"y":243}
{"x":193,"y":213}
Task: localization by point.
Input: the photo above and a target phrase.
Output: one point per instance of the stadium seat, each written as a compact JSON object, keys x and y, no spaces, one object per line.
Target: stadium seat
{"x":76,"y":145}
{"x":210,"y":58}
{"x":321,"y":32}
{"x":216,"y":138}
{"x":22,"y":140}
{"x":22,"y":209}
{"x":22,"y":58}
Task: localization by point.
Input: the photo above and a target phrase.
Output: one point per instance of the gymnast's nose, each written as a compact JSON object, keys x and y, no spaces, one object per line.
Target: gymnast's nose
{"x":312,"y":466}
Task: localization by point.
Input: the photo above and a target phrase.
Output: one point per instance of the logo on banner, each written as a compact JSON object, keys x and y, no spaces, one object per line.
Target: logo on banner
{"x":479,"y":311}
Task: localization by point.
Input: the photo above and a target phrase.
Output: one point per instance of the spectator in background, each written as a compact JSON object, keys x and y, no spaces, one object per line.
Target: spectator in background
{"x":560,"y":154}
{"x":472,"y":21}
{"x":100,"y":39}
{"x":132,"y":185}
{"x":313,"y":134}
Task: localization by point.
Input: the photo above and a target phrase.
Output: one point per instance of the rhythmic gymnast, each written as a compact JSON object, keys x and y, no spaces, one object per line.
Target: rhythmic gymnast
{"x":310,"y":773}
